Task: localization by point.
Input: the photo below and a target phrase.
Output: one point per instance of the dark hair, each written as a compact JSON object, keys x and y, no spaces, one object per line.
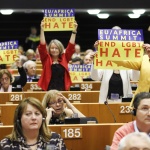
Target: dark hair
{"x":76,"y":59}
{"x":139,"y":97}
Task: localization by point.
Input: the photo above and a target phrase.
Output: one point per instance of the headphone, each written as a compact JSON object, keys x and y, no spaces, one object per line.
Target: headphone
{"x":133,"y":112}
{"x":26,"y":69}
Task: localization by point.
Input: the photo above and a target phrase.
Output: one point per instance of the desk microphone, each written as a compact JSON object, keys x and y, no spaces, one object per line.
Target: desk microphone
{"x":106,"y":103}
{"x":23,"y":92}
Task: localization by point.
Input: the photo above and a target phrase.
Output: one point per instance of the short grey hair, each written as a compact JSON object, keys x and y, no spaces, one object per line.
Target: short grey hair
{"x":28,"y":63}
{"x":123,"y":142}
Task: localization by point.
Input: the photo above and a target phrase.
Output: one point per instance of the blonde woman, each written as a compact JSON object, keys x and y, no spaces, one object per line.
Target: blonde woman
{"x":58,"y":107}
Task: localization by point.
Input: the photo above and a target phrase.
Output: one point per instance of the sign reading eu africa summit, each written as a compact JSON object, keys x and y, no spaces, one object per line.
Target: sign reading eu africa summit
{"x":8,"y":52}
{"x":118,"y":45}
{"x":59,"y":19}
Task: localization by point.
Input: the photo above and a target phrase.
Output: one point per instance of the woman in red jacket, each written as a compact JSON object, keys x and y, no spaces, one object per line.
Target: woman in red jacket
{"x":55,"y":74}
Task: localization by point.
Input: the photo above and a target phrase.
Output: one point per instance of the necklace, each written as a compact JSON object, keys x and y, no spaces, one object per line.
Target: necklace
{"x":32,"y":144}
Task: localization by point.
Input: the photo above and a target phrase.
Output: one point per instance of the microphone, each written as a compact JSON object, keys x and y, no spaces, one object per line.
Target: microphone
{"x":106,"y":103}
{"x":23,"y":92}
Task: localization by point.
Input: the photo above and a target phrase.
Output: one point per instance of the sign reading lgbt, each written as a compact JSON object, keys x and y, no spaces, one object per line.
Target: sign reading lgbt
{"x":8,"y":52}
{"x":118,"y":45}
{"x":78,"y":72}
{"x":59,"y":19}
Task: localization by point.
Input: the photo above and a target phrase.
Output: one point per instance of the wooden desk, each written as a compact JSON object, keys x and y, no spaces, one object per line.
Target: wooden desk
{"x":91,"y":85}
{"x":77,"y":96}
{"x":121,"y":112}
{"x":94,"y":136}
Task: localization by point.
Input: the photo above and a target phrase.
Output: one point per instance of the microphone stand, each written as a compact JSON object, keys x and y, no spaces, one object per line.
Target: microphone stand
{"x":106,"y":103}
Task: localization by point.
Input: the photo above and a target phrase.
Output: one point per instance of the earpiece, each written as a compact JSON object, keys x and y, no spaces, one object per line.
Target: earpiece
{"x":43,"y":119}
{"x":26,"y":70}
{"x":18,"y":121}
{"x":133,"y":112}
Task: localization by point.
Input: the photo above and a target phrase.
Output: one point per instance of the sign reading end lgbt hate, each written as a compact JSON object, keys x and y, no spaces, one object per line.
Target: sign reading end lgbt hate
{"x":118,"y":45}
{"x":8,"y":52}
{"x":59,"y":19}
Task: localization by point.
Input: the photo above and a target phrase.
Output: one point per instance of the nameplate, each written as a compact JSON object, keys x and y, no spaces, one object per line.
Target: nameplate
{"x":16,"y":97}
{"x":34,"y":86}
{"x":85,"y":86}
{"x":125,"y":110}
{"x":75,"y":96}
{"x":71,"y":132}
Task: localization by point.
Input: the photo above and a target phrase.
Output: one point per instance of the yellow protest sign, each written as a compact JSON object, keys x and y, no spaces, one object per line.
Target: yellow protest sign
{"x":78,"y":76}
{"x":8,"y":52}
{"x":118,"y":45}
{"x":78,"y":72}
{"x":120,"y":50}
{"x":59,"y":19}
{"x":106,"y":64}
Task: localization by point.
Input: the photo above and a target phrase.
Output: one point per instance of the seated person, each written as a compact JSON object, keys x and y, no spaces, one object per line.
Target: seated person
{"x":7,"y":81}
{"x":76,"y":61}
{"x":141,"y":110}
{"x":30,"y":68}
{"x":54,"y":103}
{"x":135,"y":141}
{"x":30,"y":131}
{"x":87,"y":59}
{"x":88,"y":51}
{"x":77,"y":51}
{"x":30,"y":54}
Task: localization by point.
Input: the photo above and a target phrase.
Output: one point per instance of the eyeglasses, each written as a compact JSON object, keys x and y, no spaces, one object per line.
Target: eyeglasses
{"x":144,"y":109}
{"x":56,"y":102}
{"x":6,"y":79}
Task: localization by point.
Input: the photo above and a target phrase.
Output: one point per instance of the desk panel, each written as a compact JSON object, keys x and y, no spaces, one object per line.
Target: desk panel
{"x":120,"y":111}
{"x":73,"y":96}
{"x":85,"y":85}
{"x":94,"y":137}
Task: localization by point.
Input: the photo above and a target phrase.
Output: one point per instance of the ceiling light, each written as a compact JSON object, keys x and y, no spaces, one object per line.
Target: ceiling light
{"x":134,"y":15}
{"x":139,"y":11}
{"x":93,"y":11}
{"x":6,"y":11}
{"x":103,"y":16}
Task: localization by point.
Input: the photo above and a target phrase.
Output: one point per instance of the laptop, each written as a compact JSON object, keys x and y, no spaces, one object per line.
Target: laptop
{"x":83,"y":120}
{"x":87,"y":79}
{"x":126,"y":99}
{"x":72,"y":88}
{"x":72,"y":120}
{"x":16,"y":89}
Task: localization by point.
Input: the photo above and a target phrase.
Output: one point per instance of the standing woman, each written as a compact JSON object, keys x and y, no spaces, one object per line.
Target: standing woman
{"x":55,"y":74}
{"x":115,"y":84}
